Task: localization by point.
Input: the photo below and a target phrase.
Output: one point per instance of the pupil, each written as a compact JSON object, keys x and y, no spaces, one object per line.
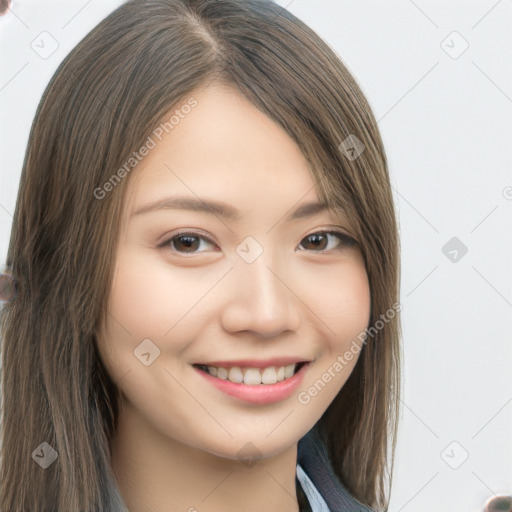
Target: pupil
{"x":189,"y":241}
{"x":316,"y":238}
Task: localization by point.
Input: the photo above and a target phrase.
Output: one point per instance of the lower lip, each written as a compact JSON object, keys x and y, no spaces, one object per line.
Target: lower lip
{"x":260,"y":393}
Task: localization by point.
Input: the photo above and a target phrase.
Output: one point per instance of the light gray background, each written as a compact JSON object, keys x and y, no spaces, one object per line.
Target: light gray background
{"x":446,"y":123}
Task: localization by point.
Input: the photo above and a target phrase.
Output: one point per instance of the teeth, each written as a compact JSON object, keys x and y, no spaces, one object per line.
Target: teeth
{"x":253,"y":376}
{"x":222,"y":373}
{"x":288,"y":371}
{"x":236,"y":375}
{"x":269,"y":376}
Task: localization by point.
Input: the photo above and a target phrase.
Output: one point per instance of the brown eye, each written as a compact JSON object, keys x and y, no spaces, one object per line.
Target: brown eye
{"x":185,"y":243}
{"x":318,"y":242}
{"x":189,"y":242}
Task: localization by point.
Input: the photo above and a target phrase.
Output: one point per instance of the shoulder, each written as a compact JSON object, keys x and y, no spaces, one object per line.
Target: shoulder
{"x":313,"y":460}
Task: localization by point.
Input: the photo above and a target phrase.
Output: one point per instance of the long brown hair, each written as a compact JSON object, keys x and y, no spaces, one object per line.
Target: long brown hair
{"x":103,"y":102}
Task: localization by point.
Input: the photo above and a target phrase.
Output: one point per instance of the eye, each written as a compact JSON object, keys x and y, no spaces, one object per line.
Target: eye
{"x":188,"y":241}
{"x":319,"y":241}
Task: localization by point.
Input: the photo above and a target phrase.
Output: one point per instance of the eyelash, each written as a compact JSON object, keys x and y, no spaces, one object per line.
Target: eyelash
{"x":345,"y":240}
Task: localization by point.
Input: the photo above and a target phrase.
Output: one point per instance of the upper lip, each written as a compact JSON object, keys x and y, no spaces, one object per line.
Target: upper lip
{"x":258,"y":363}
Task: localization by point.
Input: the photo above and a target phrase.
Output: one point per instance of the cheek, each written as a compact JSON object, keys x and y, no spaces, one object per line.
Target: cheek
{"x":344,"y":309}
{"x":343,"y":302}
{"x":153,"y":294}
{"x":145,"y":303}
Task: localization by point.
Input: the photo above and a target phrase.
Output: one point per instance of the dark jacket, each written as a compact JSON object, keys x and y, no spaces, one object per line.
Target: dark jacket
{"x":312,"y":456}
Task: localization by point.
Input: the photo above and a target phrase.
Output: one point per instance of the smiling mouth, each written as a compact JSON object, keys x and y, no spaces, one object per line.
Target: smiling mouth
{"x":253,"y":376}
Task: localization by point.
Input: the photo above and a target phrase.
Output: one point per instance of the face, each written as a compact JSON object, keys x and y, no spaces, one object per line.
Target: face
{"x":247,"y":289}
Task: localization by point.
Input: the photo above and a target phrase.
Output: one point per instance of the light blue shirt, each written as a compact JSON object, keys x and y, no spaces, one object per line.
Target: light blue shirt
{"x":315,"y":499}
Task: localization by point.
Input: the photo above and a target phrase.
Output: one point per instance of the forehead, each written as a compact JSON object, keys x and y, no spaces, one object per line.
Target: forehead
{"x":223,"y":147}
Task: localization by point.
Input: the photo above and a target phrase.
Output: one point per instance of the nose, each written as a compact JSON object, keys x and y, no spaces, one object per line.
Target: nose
{"x":262,"y":299}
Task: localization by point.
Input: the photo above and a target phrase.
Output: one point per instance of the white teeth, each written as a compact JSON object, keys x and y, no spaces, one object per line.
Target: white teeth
{"x":288,"y":370}
{"x":222,"y":373}
{"x":235,"y":374}
{"x":254,"y":376}
{"x":269,"y":376}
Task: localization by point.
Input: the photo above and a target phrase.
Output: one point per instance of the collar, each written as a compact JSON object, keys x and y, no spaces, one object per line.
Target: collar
{"x":314,"y":497}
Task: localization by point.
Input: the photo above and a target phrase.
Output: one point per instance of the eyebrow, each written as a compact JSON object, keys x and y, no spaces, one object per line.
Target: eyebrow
{"x":223,"y":210}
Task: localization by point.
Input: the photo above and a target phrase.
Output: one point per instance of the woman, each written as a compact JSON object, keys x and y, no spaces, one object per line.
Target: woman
{"x":207,"y":270}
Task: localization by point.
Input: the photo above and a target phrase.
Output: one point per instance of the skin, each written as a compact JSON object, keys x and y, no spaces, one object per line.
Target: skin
{"x":178,"y":439}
